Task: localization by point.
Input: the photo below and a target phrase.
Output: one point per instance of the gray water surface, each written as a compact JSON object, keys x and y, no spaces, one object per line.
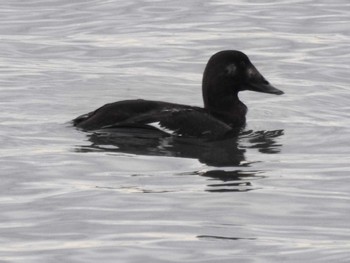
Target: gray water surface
{"x":280,"y":192}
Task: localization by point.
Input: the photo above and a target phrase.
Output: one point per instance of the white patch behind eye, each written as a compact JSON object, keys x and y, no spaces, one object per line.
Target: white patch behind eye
{"x":231,"y":69}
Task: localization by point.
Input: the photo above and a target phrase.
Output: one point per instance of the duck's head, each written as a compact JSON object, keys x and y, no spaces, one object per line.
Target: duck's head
{"x":229,"y":72}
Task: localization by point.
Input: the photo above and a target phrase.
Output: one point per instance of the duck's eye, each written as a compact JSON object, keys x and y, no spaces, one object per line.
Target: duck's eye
{"x":231,"y":69}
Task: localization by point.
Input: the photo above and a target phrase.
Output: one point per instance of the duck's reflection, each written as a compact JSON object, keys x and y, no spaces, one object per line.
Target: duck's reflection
{"x":231,"y":181}
{"x":228,"y":152}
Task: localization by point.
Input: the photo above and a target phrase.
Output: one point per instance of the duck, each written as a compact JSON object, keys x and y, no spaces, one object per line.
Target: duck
{"x":226,"y":74}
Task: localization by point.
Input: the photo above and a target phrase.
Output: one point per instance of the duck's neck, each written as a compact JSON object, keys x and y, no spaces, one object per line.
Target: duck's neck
{"x":227,"y":108}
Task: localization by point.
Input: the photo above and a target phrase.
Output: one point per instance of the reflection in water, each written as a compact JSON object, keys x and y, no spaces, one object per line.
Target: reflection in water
{"x":231,"y":181}
{"x":224,"y":238}
{"x":264,"y":140}
{"x":220,"y":153}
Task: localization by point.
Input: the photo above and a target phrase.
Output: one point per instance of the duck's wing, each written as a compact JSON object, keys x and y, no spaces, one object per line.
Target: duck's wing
{"x":113,"y":113}
{"x":187,"y":121}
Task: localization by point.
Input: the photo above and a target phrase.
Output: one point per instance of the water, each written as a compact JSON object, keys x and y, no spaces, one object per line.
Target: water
{"x":279,"y":193}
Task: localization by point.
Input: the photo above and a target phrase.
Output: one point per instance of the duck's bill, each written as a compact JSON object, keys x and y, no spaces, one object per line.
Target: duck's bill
{"x":264,"y":87}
